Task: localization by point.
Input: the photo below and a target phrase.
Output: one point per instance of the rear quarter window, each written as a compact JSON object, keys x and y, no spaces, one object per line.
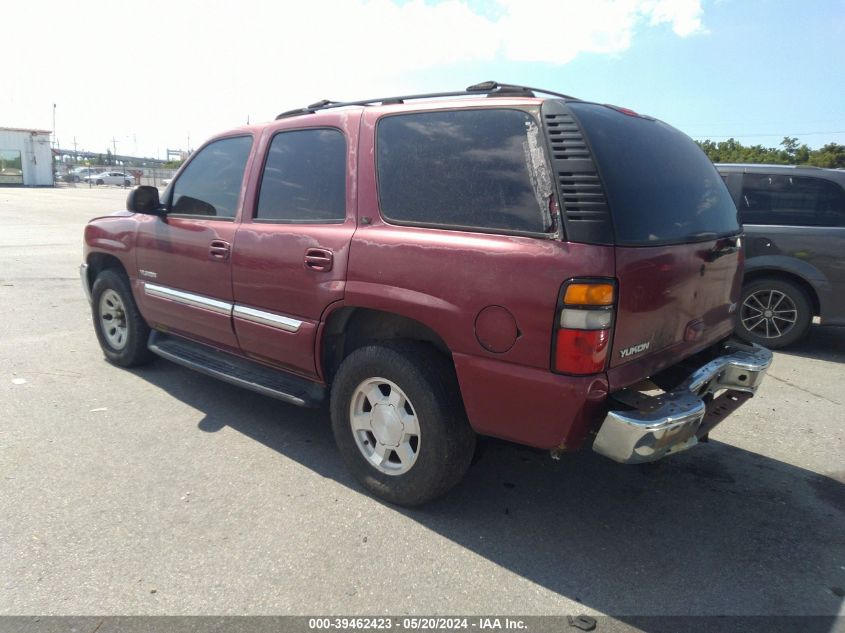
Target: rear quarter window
{"x":472,"y":169}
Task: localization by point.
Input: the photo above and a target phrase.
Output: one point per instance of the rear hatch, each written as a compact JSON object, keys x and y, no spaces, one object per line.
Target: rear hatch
{"x":647,"y":189}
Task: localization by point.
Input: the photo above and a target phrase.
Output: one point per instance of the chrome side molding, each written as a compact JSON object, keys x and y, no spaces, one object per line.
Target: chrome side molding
{"x":253,"y":315}
{"x":267,"y":318}
{"x":188,"y":298}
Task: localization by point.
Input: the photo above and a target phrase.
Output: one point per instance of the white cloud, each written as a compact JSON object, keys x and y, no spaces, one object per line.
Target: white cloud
{"x":556,"y":32}
{"x":151,"y":73}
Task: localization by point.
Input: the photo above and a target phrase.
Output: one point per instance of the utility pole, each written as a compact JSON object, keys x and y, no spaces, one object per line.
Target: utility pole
{"x":114,"y":148}
{"x":74,"y":148}
{"x":55,"y":140}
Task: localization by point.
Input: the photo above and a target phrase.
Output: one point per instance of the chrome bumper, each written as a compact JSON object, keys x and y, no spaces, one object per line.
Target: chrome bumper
{"x":657,"y":426}
{"x":83,"y":275}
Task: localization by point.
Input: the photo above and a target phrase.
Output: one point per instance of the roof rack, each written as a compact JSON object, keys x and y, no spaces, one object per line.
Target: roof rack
{"x":490,"y":88}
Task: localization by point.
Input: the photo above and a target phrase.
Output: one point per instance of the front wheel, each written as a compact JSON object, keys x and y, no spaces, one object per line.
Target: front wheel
{"x":399,"y":422}
{"x":121,"y":330}
{"x":126,"y":183}
{"x":773,"y":313}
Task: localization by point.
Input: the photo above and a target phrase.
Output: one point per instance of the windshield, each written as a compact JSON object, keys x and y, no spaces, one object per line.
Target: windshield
{"x":661,"y":187}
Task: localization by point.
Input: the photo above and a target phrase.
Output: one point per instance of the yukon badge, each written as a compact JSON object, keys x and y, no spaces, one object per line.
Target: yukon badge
{"x":634,"y":349}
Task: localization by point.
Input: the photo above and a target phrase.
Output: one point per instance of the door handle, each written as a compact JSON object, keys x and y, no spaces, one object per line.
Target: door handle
{"x":219,"y":250}
{"x":319,"y":259}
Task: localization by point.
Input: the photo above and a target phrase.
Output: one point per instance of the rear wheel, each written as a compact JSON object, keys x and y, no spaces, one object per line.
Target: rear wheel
{"x":773,"y":312}
{"x":100,"y":182}
{"x":399,"y":422}
{"x":121,"y":330}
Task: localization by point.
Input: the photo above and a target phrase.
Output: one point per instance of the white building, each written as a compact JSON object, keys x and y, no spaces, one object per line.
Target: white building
{"x":25,"y":157}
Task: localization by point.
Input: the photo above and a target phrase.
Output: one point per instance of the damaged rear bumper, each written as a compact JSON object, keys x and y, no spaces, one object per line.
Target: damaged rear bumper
{"x":651,"y":427}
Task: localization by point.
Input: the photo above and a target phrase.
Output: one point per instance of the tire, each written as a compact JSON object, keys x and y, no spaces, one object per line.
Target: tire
{"x":100,"y":182}
{"x":126,"y":183}
{"x":76,"y":179}
{"x":788,"y":322}
{"x":432,"y":435}
{"x":121,"y":330}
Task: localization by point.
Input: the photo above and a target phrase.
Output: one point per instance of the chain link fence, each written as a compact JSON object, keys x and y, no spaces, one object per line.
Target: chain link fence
{"x":75,"y":175}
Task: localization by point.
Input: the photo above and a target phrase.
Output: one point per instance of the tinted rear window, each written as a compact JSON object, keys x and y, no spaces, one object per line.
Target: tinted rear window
{"x":661,"y":187}
{"x":464,"y":169}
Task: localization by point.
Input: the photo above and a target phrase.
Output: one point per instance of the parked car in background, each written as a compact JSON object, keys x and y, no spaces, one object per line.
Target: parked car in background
{"x":78,"y":174}
{"x":441,"y":269}
{"x":794,"y":221}
{"x":111,"y":178}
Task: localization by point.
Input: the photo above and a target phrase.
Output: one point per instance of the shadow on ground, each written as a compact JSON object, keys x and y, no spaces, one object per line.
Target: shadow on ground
{"x":716,"y":530}
{"x":823,"y":342}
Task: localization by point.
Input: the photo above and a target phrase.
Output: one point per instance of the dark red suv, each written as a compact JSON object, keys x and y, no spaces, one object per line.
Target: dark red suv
{"x":550,"y":271}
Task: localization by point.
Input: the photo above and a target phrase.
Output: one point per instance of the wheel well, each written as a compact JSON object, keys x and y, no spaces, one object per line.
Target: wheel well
{"x":348,"y":329}
{"x":802,"y":283}
{"x":98,"y":262}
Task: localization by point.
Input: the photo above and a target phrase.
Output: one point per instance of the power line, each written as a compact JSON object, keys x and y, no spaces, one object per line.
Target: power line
{"x":781,"y":134}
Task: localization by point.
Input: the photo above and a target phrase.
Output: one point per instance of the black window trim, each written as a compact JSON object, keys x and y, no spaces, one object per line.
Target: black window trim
{"x":172,"y":188}
{"x":532,"y":111}
{"x":255,"y":220}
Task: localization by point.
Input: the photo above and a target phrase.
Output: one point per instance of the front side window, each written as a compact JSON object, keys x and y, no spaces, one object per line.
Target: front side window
{"x":211,"y":182}
{"x":470,"y":169}
{"x":304,"y":178}
{"x":791,"y":201}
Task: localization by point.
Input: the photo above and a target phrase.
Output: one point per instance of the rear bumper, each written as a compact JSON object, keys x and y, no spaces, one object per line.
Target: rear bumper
{"x":655,"y":426}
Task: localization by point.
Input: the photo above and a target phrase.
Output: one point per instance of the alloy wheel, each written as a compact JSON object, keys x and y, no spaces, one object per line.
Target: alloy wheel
{"x":113,"y":319}
{"x":768,"y":313}
{"x":385,"y":426}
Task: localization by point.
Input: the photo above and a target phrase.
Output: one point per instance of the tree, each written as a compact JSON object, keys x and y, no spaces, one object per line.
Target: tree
{"x":789,"y":144}
{"x":831,"y":155}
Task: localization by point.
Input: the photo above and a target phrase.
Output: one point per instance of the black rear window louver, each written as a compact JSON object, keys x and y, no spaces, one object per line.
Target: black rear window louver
{"x":585,"y":212}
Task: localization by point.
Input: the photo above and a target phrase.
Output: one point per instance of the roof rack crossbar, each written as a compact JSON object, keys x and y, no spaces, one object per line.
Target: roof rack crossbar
{"x":490,"y":88}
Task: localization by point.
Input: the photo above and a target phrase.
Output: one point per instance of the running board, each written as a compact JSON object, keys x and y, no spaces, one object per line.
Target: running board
{"x":237,"y":371}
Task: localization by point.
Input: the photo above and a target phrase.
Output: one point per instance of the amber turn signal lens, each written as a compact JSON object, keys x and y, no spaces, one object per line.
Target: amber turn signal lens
{"x":589,"y":294}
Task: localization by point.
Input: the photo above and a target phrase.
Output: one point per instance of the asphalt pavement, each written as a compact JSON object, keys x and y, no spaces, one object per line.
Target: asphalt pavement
{"x":162,"y":491}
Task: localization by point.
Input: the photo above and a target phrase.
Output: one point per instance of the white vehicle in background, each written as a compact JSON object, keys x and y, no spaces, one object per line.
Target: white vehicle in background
{"x":79,"y":173}
{"x":110,"y":178}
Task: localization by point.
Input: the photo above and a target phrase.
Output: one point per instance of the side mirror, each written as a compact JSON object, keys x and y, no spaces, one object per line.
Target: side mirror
{"x":144,"y":199}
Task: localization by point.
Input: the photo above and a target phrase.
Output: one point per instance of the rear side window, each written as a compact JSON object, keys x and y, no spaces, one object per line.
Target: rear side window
{"x":210,"y":185}
{"x":473,"y":169}
{"x":791,"y":201}
{"x":304,"y":177}
{"x":661,"y":188}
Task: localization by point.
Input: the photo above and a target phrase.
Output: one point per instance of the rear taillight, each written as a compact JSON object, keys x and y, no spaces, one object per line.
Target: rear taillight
{"x":583,"y":324}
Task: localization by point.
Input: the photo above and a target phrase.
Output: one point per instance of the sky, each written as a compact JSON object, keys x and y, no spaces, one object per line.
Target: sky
{"x":143,"y":77}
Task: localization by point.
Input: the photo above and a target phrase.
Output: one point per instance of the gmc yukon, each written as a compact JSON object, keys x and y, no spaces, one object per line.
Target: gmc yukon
{"x":543,"y":269}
